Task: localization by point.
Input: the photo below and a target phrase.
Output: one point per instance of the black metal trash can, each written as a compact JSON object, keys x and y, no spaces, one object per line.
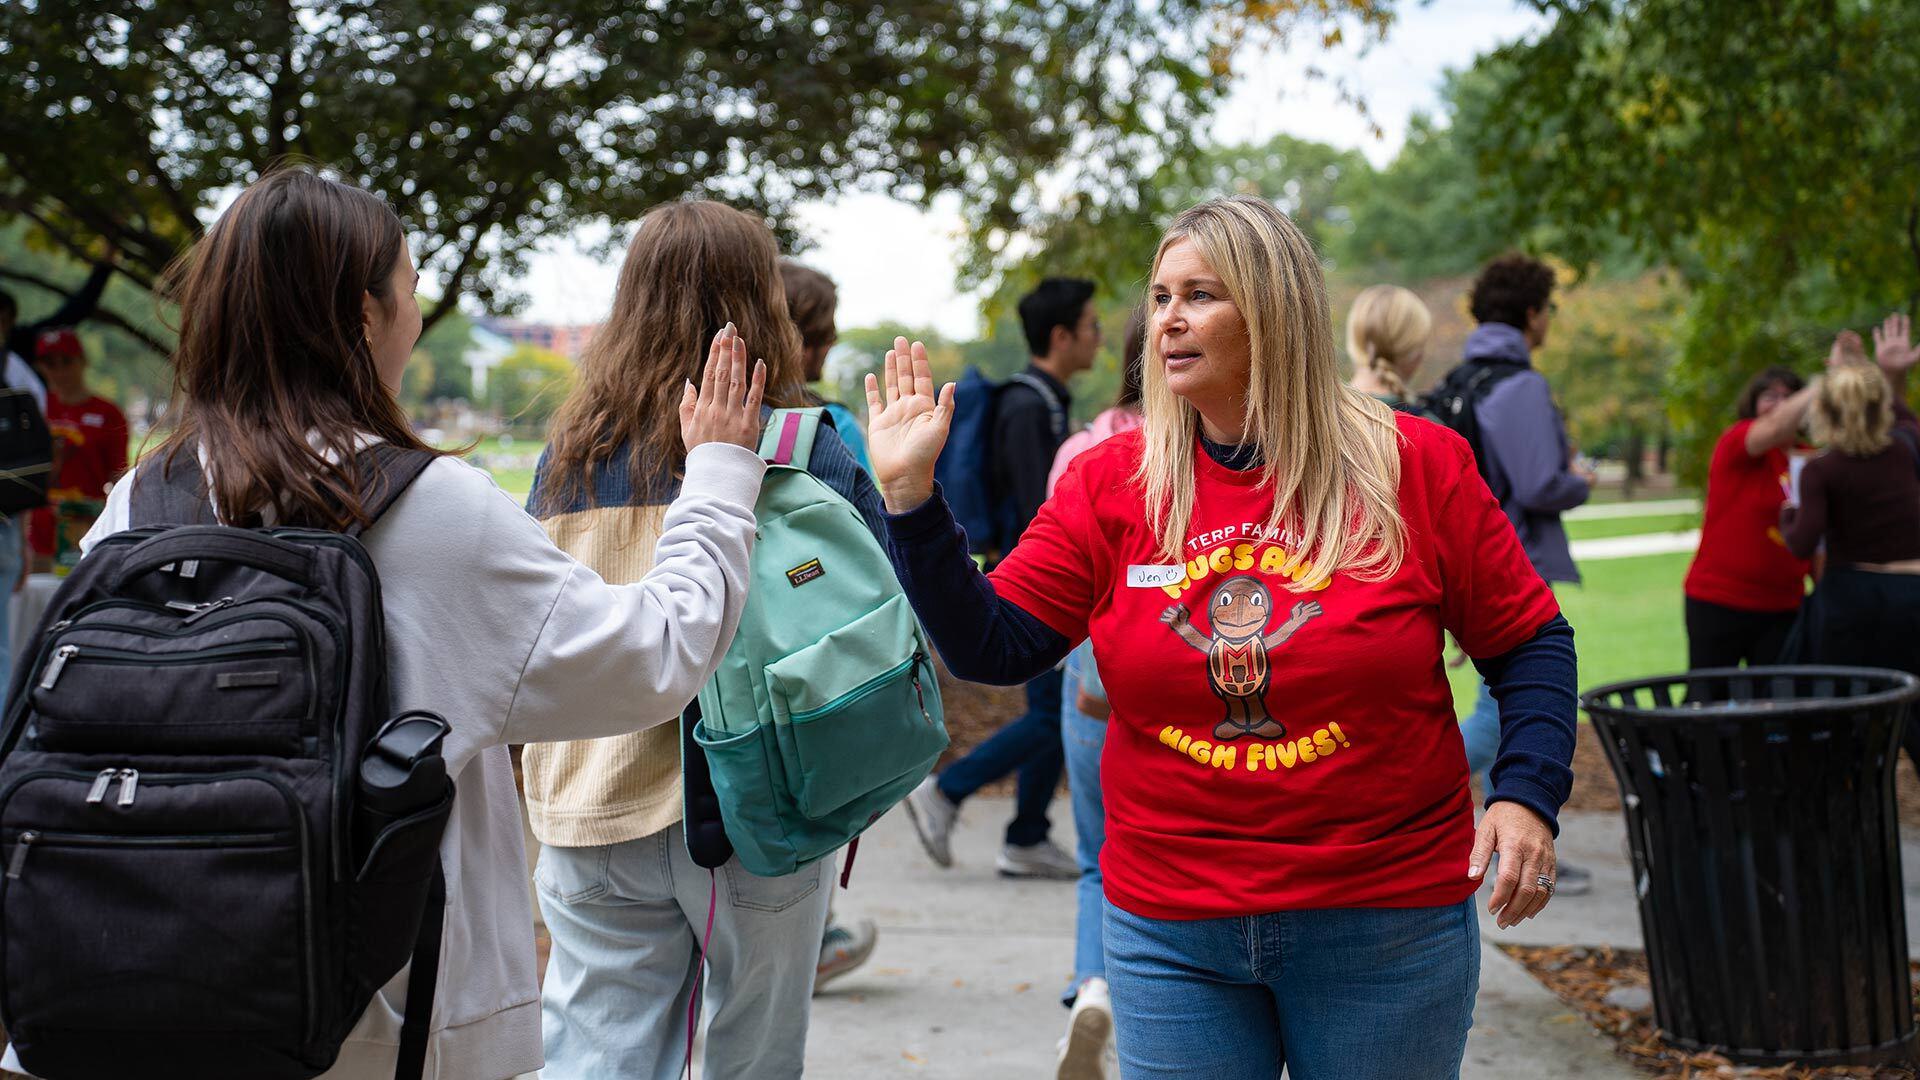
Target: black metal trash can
{"x":1766,"y":857}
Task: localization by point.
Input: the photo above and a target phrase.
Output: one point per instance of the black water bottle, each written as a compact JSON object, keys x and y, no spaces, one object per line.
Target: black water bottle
{"x":401,"y":772}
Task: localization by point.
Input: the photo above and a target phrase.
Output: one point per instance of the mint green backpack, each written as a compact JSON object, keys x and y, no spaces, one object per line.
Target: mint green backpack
{"x":825,"y":710}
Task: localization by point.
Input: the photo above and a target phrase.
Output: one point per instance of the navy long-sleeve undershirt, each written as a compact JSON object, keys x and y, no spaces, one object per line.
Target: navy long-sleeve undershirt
{"x":987,"y":639}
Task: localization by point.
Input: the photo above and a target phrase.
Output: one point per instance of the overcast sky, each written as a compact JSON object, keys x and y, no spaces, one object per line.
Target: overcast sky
{"x":1396,"y":78}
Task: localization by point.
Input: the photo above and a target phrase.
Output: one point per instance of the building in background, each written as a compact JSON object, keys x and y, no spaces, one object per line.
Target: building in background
{"x":568,"y":341}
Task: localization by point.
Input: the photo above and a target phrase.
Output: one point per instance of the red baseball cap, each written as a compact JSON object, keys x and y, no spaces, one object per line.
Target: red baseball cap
{"x":61,"y":342}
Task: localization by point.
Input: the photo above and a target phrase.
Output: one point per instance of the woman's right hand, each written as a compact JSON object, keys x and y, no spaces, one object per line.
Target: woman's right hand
{"x":906,"y":432}
{"x":725,"y":407}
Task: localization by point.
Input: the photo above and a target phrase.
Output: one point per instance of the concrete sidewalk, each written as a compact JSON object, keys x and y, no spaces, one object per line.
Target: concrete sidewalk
{"x":966,"y":980}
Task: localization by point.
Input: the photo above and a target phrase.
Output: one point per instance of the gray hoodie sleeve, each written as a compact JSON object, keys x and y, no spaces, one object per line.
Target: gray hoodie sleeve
{"x":1523,"y":431}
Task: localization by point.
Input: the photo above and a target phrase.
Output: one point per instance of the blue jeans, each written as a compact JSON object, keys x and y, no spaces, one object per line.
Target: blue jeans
{"x":1082,"y":737}
{"x":1335,"y":994}
{"x":627,"y":921}
{"x":1481,"y":732}
{"x":1030,"y":744}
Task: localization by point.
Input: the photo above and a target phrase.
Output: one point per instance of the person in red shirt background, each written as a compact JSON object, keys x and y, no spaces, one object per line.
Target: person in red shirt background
{"x":1744,"y":587}
{"x":89,"y":435}
{"x":1266,"y":569}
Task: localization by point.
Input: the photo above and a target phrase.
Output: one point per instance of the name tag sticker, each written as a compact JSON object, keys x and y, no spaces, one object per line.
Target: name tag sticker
{"x":1155,"y":577}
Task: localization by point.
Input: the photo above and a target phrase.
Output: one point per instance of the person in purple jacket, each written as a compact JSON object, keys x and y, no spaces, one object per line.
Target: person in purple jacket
{"x":1531,"y":465}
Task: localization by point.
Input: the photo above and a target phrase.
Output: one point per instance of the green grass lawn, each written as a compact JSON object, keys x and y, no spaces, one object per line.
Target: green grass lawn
{"x":1631,"y":526}
{"x":1627,"y":622}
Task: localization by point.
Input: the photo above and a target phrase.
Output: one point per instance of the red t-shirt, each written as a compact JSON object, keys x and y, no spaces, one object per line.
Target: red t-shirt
{"x":1252,"y":764}
{"x":91,"y":449}
{"x":1743,"y":561}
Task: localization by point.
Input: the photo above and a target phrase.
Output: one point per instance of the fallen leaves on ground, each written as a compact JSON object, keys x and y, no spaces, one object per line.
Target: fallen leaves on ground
{"x":1594,"y":979}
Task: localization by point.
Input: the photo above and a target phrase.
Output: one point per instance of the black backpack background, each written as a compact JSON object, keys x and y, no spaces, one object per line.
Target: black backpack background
{"x":193,"y":887}
{"x":1455,"y":402}
{"x":26,"y":452}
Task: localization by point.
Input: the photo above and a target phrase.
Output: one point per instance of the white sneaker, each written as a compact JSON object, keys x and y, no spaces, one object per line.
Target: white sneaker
{"x":1086,"y":1049}
{"x":842,"y":949}
{"x":1042,"y":860}
{"x":932,"y":814}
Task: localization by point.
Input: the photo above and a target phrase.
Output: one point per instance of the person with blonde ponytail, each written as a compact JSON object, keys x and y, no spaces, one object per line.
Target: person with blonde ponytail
{"x":1266,"y":569}
{"x":1387,"y":329}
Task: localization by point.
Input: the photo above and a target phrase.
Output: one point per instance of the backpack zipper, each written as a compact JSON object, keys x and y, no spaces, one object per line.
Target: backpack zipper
{"x":19,"y":860}
{"x":17,"y":865}
{"x":310,"y":945}
{"x":100,"y":654}
{"x":868,"y":687}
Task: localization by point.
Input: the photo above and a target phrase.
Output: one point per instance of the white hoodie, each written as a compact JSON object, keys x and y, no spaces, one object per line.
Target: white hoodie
{"x":493,"y":627}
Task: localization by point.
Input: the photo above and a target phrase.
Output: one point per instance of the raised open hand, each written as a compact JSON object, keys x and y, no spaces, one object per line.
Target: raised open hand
{"x":1176,"y":616}
{"x":906,"y":426}
{"x":1893,"y":345}
{"x":725,"y":407}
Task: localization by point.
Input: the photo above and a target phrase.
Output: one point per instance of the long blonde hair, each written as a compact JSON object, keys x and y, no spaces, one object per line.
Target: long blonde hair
{"x":1387,"y":327}
{"x":692,"y":268}
{"x":1854,"y":412}
{"x":1329,"y":454}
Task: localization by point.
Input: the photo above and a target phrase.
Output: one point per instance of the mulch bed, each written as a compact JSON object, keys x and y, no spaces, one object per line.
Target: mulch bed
{"x":1609,"y":988}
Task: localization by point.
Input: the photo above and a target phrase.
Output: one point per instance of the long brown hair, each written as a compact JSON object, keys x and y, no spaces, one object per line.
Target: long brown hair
{"x":273,"y":376}
{"x":692,"y":268}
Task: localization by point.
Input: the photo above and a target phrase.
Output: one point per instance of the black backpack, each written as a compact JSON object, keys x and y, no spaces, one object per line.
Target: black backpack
{"x":26,"y":452}
{"x":200,"y":880}
{"x":1455,"y":402}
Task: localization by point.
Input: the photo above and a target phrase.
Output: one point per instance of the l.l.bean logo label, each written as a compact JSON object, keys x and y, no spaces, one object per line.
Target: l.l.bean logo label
{"x":805,"y":572}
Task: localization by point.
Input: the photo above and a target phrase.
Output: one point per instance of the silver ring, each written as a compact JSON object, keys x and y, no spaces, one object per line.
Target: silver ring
{"x":1544,"y":882}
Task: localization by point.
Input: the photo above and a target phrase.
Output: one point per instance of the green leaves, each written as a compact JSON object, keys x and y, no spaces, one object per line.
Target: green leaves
{"x":491,"y":127}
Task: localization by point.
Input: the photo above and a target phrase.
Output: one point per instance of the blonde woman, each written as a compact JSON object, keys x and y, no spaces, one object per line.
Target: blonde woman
{"x":1387,"y":330}
{"x":1862,"y":497}
{"x":1265,"y":569}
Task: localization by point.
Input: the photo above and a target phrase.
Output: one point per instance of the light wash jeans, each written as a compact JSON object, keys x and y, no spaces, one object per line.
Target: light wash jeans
{"x":1083,"y":737}
{"x":626,"y":922}
{"x":1333,"y":994}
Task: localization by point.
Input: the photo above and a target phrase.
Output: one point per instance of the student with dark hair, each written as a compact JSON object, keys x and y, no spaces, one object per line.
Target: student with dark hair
{"x":1744,"y":587}
{"x":297,"y":320}
{"x":812,"y":301}
{"x":1029,"y":425}
{"x":1084,"y":710}
{"x":1526,"y":457}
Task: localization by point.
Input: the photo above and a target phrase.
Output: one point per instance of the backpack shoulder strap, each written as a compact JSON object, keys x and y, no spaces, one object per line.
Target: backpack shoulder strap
{"x":169,"y":490}
{"x":789,"y":435}
{"x":175,"y":492}
{"x":388,"y":472}
{"x":1056,"y":411}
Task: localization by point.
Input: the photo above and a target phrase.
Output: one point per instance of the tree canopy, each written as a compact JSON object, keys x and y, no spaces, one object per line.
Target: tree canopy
{"x":493,"y":126}
{"x":1764,"y":151}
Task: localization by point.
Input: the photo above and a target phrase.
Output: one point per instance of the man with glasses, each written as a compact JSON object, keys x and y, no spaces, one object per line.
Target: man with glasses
{"x":1531,"y":465}
{"x":1029,"y":424}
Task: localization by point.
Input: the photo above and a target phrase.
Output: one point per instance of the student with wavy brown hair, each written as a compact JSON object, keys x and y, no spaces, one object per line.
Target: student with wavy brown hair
{"x":813,"y":300}
{"x":626,"y":903}
{"x":297,"y":320}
